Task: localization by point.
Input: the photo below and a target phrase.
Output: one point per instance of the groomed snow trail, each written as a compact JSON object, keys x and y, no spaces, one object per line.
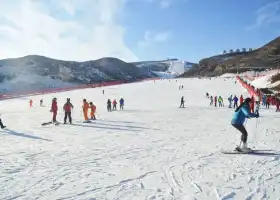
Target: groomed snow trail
{"x":151,"y":150}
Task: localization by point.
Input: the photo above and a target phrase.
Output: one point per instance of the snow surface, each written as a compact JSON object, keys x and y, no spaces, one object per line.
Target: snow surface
{"x":151,"y":150}
{"x":265,"y":81}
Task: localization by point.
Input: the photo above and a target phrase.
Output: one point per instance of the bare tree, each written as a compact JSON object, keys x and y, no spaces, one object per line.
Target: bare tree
{"x":231,"y":50}
{"x":237,"y":50}
{"x":243,"y":49}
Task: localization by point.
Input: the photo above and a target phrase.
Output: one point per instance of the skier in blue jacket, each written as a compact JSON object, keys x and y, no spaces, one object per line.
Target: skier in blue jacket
{"x":241,"y":113}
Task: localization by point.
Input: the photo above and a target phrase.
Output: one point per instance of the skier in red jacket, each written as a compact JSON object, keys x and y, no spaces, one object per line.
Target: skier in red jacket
{"x":241,"y":99}
{"x":67,"y":110}
{"x":54,"y":109}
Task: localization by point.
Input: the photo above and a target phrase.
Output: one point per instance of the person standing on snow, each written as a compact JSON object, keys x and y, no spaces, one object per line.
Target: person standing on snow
{"x":221,"y":102}
{"x":114,"y":104}
{"x":54,"y":109}
{"x":30,"y":103}
{"x":230,"y":101}
{"x":252,"y":104}
{"x":67,"y":110}
{"x":211,"y":100}
{"x":241,"y":113}
{"x":121,"y":103}
{"x":109,"y":105}
{"x":277,"y":105}
{"x":241,"y":99}
{"x":235,"y":100}
{"x":215,"y":101}
{"x":92,"y":111}
{"x":182,"y":105}
{"x":1,"y":124}
{"x":85,"y":109}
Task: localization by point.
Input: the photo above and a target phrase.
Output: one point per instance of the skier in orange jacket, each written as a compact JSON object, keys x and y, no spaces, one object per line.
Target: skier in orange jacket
{"x":92,"y":111}
{"x":85,"y":109}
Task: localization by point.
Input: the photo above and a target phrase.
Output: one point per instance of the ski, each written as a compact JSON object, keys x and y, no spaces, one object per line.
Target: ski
{"x":48,"y":123}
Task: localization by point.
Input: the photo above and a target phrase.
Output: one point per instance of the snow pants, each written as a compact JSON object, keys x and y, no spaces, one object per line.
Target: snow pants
{"x":235,"y":105}
{"x":114,"y":107}
{"x":67,"y":115}
{"x":121,"y":106}
{"x":220,"y":104}
{"x":85,"y":114}
{"x":92,"y":115}
{"x":230,"y":104}
{"x":182,"y":105}
{"x":54,"y":116}
{"x":267,"y":105}
{"x":109,"y":108}
{"x":243,"y":131}
{"x":1,"y":124}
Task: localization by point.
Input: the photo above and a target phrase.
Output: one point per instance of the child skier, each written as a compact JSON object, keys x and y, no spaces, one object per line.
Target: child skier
{"x":230,"y":101}
{"x":92,"y":111}
{"x":67,"y":110}
{"x":182,"y":105}
{"x":121,"y":103}
{"x":241,"y":113}
{"x":235,"y":100}
{"x":85,"y":109}
{"x":1,"y":124}
{"x":54,"y":109}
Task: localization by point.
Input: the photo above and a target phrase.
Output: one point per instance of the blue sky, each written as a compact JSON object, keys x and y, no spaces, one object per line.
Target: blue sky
{"x":135,"y":30}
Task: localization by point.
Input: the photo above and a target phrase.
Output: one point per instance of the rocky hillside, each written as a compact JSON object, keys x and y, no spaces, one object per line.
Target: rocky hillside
{"x":265,"y":57}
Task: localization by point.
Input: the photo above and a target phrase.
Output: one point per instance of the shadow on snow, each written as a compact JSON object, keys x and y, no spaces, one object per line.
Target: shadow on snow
{"x":24,"y":135}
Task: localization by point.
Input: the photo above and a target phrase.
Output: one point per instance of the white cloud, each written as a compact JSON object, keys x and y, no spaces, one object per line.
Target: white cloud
{"x":63,"y":29}
{"x":267,"y":15}
{"x":151,"y":38}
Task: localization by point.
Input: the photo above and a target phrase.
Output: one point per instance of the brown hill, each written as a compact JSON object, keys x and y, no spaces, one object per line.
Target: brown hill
{"x":266,"y":57}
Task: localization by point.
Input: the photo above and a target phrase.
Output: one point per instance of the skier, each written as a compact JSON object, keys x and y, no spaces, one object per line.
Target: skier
{"x":241,"y":113}
{"x":207,"y":95}
{"x":30,"y":103}
{"x":230,"y":101}
{"x":182,"y":87}
{"x":264,"y":100}
{"x":211,"y":100}
{"x":121,"y":103}
{"x":114,"y":104}
{"x":241,"y":99}
{"x":54,"y":109}
{"x":182,"y":105}
{"x":67,"y":110}
{"x":41,"y":102}
{"x":1,"y":124}
{"x":109,"y":105}
{"x":220,"y":101}
{"x":235,"y":100}
{"x":92,"y":111}
{"x":85,"y":109}
{"x":103,"y":91}
{"x":215,"y":101}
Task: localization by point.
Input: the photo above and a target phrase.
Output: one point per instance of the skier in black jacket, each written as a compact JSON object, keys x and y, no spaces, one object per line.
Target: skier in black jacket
{"x":1,"y":124}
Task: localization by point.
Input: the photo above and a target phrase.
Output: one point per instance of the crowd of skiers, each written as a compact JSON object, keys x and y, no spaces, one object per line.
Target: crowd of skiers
{"x":234,"y":101}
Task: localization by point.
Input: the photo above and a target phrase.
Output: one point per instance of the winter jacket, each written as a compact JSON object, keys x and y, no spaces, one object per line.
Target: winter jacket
{"x":92,"y":108}
{"x":235,"y":99}
{"x":85,"y":106}
{"x":67,"y":107}
{"x":121,"y":101}
{"x":240,"y":116}
{"x":54,"y":106}
{"x":241,"y":100}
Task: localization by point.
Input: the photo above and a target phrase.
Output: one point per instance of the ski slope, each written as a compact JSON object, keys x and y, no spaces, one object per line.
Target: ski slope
{"x":151,"y":150}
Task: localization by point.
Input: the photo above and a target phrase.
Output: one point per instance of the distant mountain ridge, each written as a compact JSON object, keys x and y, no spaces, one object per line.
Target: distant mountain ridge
{"x":35,"y":72}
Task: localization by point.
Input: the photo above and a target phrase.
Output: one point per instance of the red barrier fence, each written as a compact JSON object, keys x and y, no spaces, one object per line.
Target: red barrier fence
{"x":256,"y":93}
{"x":55,"y":90}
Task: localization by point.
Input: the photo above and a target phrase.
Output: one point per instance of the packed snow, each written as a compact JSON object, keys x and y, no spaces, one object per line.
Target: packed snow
{"x":151,"y":150}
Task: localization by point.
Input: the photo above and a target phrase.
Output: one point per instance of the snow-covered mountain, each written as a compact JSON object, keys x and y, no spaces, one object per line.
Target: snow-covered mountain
{"x":35,"y":72}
